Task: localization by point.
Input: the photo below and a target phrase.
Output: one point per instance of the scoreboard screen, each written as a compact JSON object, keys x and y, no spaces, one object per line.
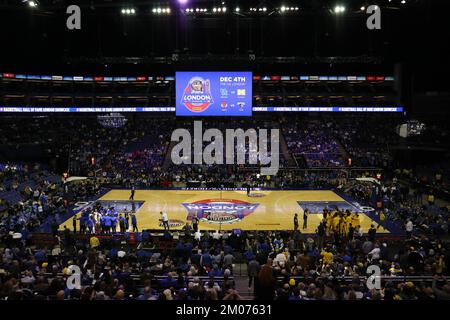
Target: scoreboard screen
{"x":213,"y":93}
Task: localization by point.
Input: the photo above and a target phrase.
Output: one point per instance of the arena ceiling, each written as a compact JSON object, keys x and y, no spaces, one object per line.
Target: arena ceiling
{"x":36,"y":38}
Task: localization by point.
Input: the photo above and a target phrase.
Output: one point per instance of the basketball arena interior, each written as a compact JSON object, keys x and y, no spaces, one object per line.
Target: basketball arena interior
{"x":202,"y":150}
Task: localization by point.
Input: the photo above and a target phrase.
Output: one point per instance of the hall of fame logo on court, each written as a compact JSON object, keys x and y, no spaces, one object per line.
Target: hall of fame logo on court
{"x":197,"y":94}
{"x":217,"y":211}
{"x":173,"y":223}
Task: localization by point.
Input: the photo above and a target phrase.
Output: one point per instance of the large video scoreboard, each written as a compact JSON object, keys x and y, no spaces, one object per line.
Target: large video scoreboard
{"x":213,"y":93}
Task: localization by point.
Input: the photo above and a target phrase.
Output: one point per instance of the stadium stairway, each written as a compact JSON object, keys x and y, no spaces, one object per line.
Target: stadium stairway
{"x":167,"y":159}
{"x":241,"y":282}
{"x":285,"y":151}
{"x":342,"y":150}
{"x":242,"y":287}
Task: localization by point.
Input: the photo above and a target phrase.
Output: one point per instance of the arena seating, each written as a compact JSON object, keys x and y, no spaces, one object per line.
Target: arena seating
{"x":136,"y":154}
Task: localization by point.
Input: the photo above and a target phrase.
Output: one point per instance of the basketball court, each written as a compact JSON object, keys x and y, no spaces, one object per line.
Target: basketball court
{"x":227,"y":210}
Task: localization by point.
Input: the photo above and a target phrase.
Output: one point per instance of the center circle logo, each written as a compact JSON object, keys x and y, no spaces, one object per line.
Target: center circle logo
{"x":197,"y":94}
{"x":218,"y":211}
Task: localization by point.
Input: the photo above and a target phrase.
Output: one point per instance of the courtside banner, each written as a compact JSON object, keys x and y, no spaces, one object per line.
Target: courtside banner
{"x":213,"y":93}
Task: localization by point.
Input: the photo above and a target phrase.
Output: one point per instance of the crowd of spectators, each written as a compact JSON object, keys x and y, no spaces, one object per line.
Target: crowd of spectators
{"x":191,"y":270}
{"x":366,"y":139}
{"x":280,"y":265}
{"x":29,"y":195}
{"x":313,"y":141}
{"x":334,"y":272}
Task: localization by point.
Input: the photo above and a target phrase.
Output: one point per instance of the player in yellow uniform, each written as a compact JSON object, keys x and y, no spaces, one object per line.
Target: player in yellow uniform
{"x":327,"y":256}
{"x":356,"y":223}
{"x":330,"y":218}
{"x":382,"y":218}
{"x":342,"y":225}
{"x":347,"y":223}
{"x":336,"y":222}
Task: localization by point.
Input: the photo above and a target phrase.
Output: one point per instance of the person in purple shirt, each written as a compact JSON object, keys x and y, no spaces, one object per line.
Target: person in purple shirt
{"x":168,"y":282}
{"x":90,"y":224}
{"x":127,"y":220}
{"x":108,"y":222}
{"x":206,"y":260}
{"x":264,"y":247}
{"x":347,"y":258}
{"x":43,"y":200}
{"x":249,"y":255}
{"x":113,"y":223}
{"x":102,"y":223}
{"x":40,"y":256}
{"x":134,"y":223}
{"x":227,"y":249}
{"x":215,"y":271}
{"x":122,"y":224}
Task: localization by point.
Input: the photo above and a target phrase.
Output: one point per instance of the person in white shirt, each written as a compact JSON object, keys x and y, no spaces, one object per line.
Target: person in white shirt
{"x":197,"y":235}
{"x":165,"y":220}
{"x":216,"y":235}
{"x":280,"y":260}
{"x":375,"y":253}
{"x":409,"y":228}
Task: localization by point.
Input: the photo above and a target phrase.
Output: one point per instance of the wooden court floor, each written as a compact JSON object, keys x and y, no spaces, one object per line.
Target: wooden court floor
{"x":227,"y":210}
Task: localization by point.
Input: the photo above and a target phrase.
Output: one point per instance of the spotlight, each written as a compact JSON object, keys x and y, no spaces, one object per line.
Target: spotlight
{"x":237,"y":9}
{"x":363,"y":8}
{"x":283,"y":9}
{"x":214,"y":9}
{"x":339,"y":9}
{"x":403,"y":1}
{"x":128,"y":11}
{"x":224,"y":9}
{"x":32,"y":4}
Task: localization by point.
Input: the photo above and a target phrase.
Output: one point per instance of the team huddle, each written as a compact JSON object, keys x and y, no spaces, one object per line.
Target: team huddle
{"x":343,"y":224}
{"x":105,"y":220}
